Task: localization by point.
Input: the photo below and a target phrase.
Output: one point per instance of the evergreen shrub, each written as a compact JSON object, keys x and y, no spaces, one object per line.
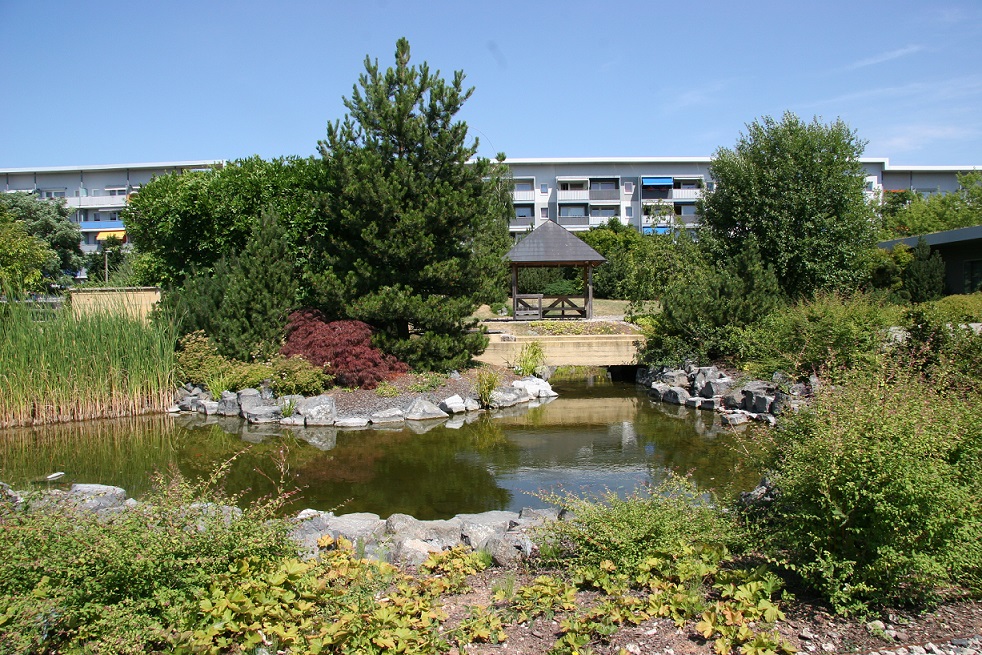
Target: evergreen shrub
{"x":343,"y":348}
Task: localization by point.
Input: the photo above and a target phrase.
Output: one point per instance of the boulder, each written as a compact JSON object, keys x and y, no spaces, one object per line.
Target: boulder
{"x":717,"y":387}
{"x":674,"y":378}
{"x":443,"y":534}
{"x":733,"y":399}
{"x":675,"y":396}
{"x":471,"y":405}
{"x":423,"y":410}
{"x":504,"y":397}
{"x":414,"y":552}
{"x":228,"y":404}
{"x":694,"y":402}
{"x":262,"y":414}
{"x":476,"y":529}
{"x":453,"y":405}
{"x":294,"y":420}
{"x":658,"y":390}
{"x":535,"y":387}
{"x":510,"y":549}
{"x":208,"y":407}
{"x":391,"y":415}
{"x":318,"y":410}
{"x":710,"y":404}
{"x":97,"y":497}
{"x":734,"y":419}
{"x":761,"y":403}
{"x":351,"y":422}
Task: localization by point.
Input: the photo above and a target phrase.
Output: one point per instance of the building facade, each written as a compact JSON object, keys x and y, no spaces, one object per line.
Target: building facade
{"x":96,"y":194}
{"x":653,"y":193}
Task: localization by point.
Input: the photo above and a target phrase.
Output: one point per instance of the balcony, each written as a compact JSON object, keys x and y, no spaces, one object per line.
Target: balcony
{"x":520,"y":222}
{"x":99,"y":226}
{"x":523,"y":196}
{"x":574,"y":221}
{"x":573,"y":194}
{"x":605,"y":194}
{"x":97,"y":202}
{"x":686,"y":194}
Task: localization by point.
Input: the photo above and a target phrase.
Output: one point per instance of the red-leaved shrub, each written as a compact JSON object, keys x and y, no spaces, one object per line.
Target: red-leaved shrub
{"x":343,"y":348}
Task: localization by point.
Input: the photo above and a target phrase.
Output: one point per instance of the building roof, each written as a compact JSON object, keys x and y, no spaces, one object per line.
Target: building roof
{"x":196,"y":163}
{"x":959,"y":235}
{"x":551,"y":244}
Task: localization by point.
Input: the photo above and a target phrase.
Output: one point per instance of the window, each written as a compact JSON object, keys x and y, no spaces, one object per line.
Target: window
{"x":96,"y":216}
{"x":47,"y":194}
{"x":629,"y":211}
{"x":572,"y":210}
{"x":629,"y":187}
{"x":572,"y":186}
{"x":116,"y":192}
{"x":603,"y":212}
{"x":608,"y":185}
{"x":544,"y":188}
{"x":544,"y":212}
{"x":523,"y":211}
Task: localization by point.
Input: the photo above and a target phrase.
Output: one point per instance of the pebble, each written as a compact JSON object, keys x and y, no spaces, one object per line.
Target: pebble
{"x":960,"y":646}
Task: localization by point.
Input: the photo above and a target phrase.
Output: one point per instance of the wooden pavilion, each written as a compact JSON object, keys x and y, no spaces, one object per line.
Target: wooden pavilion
{"x":551,"y":245}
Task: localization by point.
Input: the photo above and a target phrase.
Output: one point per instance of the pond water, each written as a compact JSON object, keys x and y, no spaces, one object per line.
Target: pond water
{"x":597,"y":435}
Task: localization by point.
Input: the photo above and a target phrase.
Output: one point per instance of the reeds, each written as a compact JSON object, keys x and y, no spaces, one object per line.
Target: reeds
{"x":55,"y":366}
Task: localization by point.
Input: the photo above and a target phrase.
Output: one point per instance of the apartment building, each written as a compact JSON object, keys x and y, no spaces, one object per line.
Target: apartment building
{"x":653,"y":193}
{"x":96,"y":194}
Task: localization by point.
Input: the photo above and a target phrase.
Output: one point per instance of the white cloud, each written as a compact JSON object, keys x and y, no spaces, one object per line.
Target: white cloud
{"x":885,"y":57}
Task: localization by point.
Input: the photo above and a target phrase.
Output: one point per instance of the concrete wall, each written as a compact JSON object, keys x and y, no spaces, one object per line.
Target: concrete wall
{"x":587,"y":350}
{"x":136,"y":301}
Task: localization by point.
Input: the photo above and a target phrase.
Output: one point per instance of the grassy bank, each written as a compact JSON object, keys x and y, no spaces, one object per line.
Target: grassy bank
{"x":59,"y":367}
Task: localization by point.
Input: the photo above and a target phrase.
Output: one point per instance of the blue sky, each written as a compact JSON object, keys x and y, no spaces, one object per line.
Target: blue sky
{"x":108,"y":82}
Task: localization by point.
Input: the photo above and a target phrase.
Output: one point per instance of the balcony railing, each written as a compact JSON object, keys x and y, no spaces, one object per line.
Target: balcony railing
{"x":520,"y":222}
{"x":523,"y":196}
{"x":574,"y":220}
{"x":605,"y":194}
{"x":96,"y":202}
{"x":573,"y":194}
{"x":686,"y":194}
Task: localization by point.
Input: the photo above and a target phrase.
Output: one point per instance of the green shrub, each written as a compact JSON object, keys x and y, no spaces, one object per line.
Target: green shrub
{"x":530,"y":358}
{"x":942,"y":346}
{"x":295,"y":375}
{"x":823,"y":335}
{"x":963,"y":308}
{"x":627,"y":531}
{"x":924,"y":277}
{"x":488,"y":380}
{"x":563,"y":288}
{"x":879,"y":501}
{"x":701,"y":315}
{"x":74,"y":582}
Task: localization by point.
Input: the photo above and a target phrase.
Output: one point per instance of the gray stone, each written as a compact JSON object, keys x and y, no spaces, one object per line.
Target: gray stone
{"x":735,"y":418}
{"x":453,"y":405}
{"x":422,"y":410}
{"x":414,"y":552}
{"x":675,"y":396}
{"x":534,"y":387}
{"x":228,"y":404}
{"x":476,"y":529}
{"x":247,"y":393}
{"x":444,"y":534}
{"x":97,"y":497}
{"x":208,"y":407}
{"x":733,"y":399}
{"x":263,"y":414}
{"x":293,"y":420}
{"x":694,"y":402}
{"x":471,"y":405}
{"x":290,"y":399}
{"x":710,"y":404}
{"x":674,"y":378}
{"x":351,"y":422}
{"x":504,"y":397}
{"x":391,"y":415}
{"x":319,"y":410}
{"x":509,"y":549}
{"x":173,"y":409}
{"x":540,"y":514}
{"x":761,"y":403}
{"x":717,"y":387}
{"x":658,"y":390}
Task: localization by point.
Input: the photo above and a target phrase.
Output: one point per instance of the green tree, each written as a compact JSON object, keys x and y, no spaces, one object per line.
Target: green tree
{"x":794,"y":189}
{"x":184,"y":223}
{"x":411,"y":236}
{"x":110,"y":255}
{"x":49,"y":221}
{"x":908,"y":213}
{"x":261,"y":293}
{"x":22,"y":256}
{"x":924,"y":276}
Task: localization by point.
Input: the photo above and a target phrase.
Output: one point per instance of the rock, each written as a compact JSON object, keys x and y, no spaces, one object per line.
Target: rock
{"x":471,"y":405}
{"x":318,"y":410}
{"x":422,"y":410}
{"x":761,"y":403}
{"x":453,"y":405}
{"x":675,"y":396}
{"x":391,"y":415}
{"x":694,"y":402}
{"x":674,"y":378}
{"x":734,"y":419}
{"x":97,"y":497}
{"x":509,"y":549}
{"x":294,"y":420}
{"x":658,"y":390}
{"x":351,"y":422}
{"x":228,"y":404}
{"x":710,"y":404}
{"x":414,"y":552}
{"x":174,"y":409}
{"x":717,"y":387}
{"x":442,"y":534}
{"x":262,"y":414}
{"x":291,"y":399}
{"x":208,"y":407}
{"x":476,"y":529}
{"x":544,"y":372}
{"x":421,"y":427}
{"x":535,"y":387}
{"x":540,"y":515}
{"x":503,"y":397}
{"x":733,"y":399}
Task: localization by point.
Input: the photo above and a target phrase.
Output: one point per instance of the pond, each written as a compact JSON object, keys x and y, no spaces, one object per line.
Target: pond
{"x":597,"y":435}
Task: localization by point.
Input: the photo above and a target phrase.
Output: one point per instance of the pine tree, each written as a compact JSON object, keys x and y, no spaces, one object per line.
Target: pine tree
{"x":924,"y":276}
{"x":261,"y":293}
{"x":411,"y":236}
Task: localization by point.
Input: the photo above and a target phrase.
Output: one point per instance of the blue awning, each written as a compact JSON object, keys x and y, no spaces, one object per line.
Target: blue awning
{"x":656,"y":181}
{"x":662,"y":230}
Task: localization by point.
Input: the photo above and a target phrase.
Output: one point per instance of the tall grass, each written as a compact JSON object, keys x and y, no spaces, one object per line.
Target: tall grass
{"x":60,"y":367}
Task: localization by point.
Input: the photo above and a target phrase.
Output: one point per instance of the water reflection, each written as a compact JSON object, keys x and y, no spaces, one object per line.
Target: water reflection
{"x":593,"y":437}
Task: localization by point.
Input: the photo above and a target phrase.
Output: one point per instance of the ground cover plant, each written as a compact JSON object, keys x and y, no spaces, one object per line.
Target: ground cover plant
{"x":56,"y":365}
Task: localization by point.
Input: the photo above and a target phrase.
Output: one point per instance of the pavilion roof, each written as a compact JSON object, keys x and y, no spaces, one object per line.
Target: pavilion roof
{"x":551,"y":244}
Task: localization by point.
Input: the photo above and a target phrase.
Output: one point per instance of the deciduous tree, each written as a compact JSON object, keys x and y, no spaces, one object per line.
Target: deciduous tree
{"x":49,"y":221}
{"x":794,"y":189}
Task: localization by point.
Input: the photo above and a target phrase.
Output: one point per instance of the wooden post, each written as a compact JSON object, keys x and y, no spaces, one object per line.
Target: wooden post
{"x":588,"y":300}
{"x":514,"y":291}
